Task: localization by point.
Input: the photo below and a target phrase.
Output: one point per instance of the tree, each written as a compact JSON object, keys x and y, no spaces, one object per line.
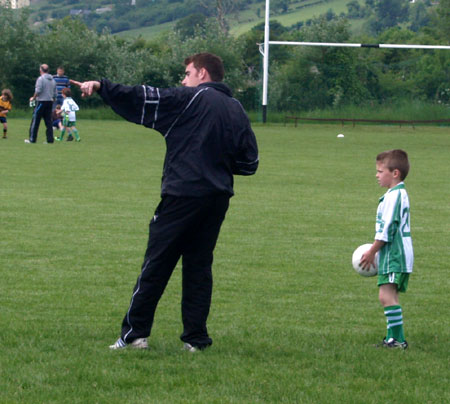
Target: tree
{"x":220,"y":8}
{"x":389,"y":13}
{"x":18,"y":52}
{"x":354,"y":9}
{"x":321,"y":77}
{"x":443,"y":18}
{"x":280,"y":5}
{"x":187,"y":25}
{"x":419,"y":16}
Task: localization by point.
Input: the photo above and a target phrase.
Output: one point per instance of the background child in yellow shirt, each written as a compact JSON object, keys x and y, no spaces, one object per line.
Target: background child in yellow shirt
{"x":5,"y":107}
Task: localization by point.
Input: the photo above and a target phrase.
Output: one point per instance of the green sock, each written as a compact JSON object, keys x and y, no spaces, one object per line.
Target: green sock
{"x":63,"y":132}
{"x":77,"y":136}
{"x":394,"y":320}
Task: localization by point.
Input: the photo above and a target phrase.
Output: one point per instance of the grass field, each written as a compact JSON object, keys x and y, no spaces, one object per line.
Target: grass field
{"x":291,"y":321}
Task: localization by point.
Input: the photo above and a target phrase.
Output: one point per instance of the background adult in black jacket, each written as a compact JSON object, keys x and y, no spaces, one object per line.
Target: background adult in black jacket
{"x":209,"y":139}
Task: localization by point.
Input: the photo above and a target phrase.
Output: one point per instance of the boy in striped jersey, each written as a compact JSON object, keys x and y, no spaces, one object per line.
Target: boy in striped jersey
{"x":68,"y":108}
{"x":393,"y":241}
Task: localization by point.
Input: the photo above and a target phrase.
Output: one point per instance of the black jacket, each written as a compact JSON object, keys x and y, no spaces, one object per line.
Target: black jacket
{"x":207,"y":132}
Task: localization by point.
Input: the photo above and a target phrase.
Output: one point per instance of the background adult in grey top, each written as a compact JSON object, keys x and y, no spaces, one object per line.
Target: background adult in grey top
{"x":45,"y":93}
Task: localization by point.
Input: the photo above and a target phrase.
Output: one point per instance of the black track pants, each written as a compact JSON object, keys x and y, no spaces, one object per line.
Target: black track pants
{"x":43,"y":109}
{"x":187,"y":228}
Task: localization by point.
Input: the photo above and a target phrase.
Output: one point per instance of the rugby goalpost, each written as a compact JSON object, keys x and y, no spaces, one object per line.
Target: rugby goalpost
{"x":264,"y":50}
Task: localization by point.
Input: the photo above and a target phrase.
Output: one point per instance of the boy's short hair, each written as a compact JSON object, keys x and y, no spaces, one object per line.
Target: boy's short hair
{"x":66,"y":91}
{"x":396,"y":159}
{"x":8,"y":94}
{"x":212,"y":63}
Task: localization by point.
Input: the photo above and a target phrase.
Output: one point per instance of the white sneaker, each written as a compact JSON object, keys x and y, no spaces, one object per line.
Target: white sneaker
{"x":27,"y":140}
{"x":188,"y":347}
{"x":138,"y":343}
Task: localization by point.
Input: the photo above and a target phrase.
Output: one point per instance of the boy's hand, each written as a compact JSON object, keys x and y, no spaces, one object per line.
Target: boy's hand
{"x":367,"y":259}
{"x":87,"y":88}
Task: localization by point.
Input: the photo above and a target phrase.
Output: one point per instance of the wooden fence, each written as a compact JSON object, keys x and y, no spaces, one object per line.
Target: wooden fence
{"x":343,"y":120}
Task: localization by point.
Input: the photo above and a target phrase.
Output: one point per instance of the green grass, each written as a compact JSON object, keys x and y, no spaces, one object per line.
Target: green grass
{"x":291,"y":321}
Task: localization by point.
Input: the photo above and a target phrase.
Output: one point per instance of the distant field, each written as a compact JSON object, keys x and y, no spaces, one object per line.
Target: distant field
{"x":248,"y":18}
{"x":294,"y":16}
{"x":147,"y":32}
{"x":291,"y":321}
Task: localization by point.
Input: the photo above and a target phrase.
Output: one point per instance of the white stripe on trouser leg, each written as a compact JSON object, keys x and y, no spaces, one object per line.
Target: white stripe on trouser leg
{"x":132,"y":300}
{"x":33,"y":123}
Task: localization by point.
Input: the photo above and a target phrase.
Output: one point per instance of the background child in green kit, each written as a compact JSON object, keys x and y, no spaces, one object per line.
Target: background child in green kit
{"x":68,"y":108}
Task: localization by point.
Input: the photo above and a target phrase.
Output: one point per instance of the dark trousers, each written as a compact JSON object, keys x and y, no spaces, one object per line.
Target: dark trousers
{"x":187,"y":228}
{"x":43,"y":109}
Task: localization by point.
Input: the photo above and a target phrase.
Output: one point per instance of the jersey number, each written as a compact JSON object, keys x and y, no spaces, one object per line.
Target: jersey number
{"x":406,"y":232}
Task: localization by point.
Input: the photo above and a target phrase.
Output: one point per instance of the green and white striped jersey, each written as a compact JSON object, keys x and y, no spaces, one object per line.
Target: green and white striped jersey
{"x":69,"y":107}
{"x":393,"y":227}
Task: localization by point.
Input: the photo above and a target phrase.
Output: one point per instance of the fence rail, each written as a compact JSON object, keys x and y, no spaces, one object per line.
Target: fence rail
{"x":354,"y":120}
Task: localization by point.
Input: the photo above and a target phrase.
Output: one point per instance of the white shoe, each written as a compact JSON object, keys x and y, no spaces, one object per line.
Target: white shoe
{"x":138,"y":343}
{"x":27,"y":141}
{"x":188,"y":347}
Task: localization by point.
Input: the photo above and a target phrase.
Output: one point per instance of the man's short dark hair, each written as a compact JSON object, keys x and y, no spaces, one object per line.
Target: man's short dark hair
{"x":212,"y":63}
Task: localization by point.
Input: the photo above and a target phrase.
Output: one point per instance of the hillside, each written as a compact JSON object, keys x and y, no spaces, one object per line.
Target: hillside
{"x":147,"y":19}
{"x":298,"y":11}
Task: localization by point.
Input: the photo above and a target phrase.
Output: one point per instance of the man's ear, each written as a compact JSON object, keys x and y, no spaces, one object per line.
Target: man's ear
{"x":202,"y":73}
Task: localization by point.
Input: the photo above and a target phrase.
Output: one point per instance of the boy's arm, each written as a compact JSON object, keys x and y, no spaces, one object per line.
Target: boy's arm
{"x":368,"y":258}
{"x":5,"y":109}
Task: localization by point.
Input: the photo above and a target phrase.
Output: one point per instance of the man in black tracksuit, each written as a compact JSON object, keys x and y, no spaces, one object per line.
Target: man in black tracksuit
{"x":209,"y":139}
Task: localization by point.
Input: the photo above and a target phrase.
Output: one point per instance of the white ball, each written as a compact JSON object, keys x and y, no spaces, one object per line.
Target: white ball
{"x":340,"y":135}
{"x":356,"y":259}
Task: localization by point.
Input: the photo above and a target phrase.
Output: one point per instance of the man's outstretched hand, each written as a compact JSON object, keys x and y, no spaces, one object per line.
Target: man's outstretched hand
{"x":87,"y":88}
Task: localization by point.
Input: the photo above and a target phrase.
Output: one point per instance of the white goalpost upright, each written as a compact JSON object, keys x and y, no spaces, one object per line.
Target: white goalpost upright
{"x":266,"y":61}
{"x":267,"y":42}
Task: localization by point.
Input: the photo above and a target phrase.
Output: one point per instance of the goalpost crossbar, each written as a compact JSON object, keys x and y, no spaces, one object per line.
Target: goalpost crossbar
{"x":360,"y":45}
